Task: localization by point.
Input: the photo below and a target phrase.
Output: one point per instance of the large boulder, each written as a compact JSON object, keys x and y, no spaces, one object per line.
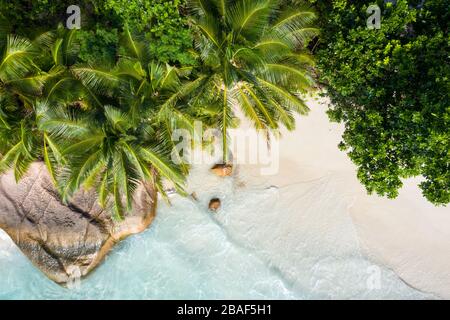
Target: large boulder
{"x":65,"y":241}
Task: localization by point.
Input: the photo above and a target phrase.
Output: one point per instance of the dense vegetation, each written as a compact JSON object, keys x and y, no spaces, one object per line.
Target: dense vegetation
{"x":102,"y":21}
{"x":99,"y":104}
{"x":253,"y":56}
{"x":391,"y":89}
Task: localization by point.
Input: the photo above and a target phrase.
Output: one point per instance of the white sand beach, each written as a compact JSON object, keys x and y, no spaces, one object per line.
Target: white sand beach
{"x":407,"y":234}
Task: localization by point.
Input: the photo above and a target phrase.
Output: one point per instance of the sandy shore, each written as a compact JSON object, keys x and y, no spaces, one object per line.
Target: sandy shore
{"x":408,"y":234}
{"x":315,"y":235}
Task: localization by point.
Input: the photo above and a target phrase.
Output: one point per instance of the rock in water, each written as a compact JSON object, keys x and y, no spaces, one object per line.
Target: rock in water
{"x":222,"y":170}
{"x":214,"y":204}
{"x":65,"y":241}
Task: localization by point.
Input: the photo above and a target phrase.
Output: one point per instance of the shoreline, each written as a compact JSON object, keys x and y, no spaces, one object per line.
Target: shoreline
{"x":308,"y":232}
{"x":408,"y":234}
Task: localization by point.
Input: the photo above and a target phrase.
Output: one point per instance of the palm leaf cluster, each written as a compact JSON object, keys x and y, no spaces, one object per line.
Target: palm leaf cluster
{"x":109,"y":128}
{"x":253,"y":58}
{"x":103,"y":128}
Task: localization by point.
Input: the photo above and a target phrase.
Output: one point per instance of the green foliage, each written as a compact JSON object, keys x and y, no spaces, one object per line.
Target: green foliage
{"x":25,"y":16}
{"x":391,"y":89}
{"x":98,"y":46}
{"x":158,"y":21}
{"x":108,"y":124}
{"x":107,"y":128}
{"x":20,"y":82}
{"x":254,"y":56}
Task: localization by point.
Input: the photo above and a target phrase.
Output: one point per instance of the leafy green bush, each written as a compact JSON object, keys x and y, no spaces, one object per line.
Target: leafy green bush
{"x":158,"y":21}
{"x":98,"y":45}
{"x":391,"y":89}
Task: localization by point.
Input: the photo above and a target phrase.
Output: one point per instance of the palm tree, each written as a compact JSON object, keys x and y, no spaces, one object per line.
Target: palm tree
{"x":59,"y":50}
{"x":122,"y":135}
{"x":253,"y":57}
{"x":107,"y":128}
{"x":174,"y":106}
{"x":24,"y":87}
{"x":21,"y":81}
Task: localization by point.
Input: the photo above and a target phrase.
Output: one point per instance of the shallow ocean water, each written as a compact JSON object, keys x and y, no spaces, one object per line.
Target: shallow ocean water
{"x":264,"y":243}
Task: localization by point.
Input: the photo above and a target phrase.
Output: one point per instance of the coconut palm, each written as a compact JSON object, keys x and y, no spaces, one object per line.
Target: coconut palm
{"x":21,"y":81}
{"x":60,"y":49}
{"x":25,"y":87}
{"x":164,"y":90}
{"x":106,"y":150}
{"x":62,"y":90}
{"x":252,"y":54}
{"x":107,"y":128}
{"x":123,"y":137}
{"x":32,"y":72}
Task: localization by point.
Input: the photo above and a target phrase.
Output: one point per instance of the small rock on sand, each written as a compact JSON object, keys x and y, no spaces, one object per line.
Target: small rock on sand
{"x":222,"y":170}
{"x":214,"y":204}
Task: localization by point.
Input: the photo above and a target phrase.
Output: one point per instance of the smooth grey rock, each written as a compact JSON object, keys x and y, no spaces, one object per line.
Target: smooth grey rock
{"x":65,"y":241}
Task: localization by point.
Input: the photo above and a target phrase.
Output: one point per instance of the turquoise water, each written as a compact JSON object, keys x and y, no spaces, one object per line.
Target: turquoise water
{"x":259,"y":246}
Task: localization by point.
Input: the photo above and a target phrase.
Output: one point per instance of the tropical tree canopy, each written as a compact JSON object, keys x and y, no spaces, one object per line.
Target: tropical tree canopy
{"x":391,"y":89}
{"x":253,"y":57}
{"x":104,"y":119}
{"x":109,"y":125}
{"x":103,"y":21}
{"x":21,"y":82}
{"x":95,"y":127}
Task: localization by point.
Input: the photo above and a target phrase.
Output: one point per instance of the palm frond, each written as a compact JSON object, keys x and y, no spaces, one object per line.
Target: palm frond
{"x":16,"y":60}
{"x":67,"y":127}
{"x":293,"y":102}
{"x":261,"y":103}
{"x":249,"y":110}
{"x":288,"y":75}
{"x":250,"y":17}
{"x":118,"y":119}
{"x":163,"y":166}
{"x":97,"y":80}
{"x":52,"y":157}
{"x":296,"y":26}
{"x":20,"y":156}
{"x":199,"y":7}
